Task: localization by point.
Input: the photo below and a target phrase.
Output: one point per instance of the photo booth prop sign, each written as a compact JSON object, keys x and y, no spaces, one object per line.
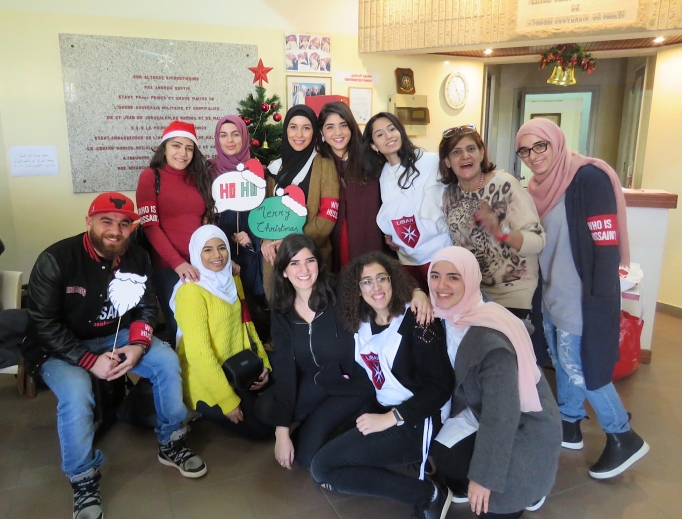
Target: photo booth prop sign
{"x":240,"y":190}
{"x":125,"y":293}
{"x":279,"y":216}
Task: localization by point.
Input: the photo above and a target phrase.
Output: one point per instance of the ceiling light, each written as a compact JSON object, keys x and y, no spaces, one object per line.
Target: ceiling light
{"x":488,"y":52}
{"x":446,"y":63}
{"x":660,"y":39}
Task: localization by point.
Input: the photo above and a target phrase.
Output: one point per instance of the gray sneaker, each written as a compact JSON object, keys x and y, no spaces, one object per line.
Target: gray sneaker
{"x":87,"y":503}
{"x":176,"y":454}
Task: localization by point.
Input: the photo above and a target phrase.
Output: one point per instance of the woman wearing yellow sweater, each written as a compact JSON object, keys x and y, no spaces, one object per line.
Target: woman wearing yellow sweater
{"x":214,"y":325}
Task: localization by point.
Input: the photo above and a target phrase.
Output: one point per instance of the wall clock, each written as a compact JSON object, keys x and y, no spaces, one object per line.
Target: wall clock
{"x":456,"y":90}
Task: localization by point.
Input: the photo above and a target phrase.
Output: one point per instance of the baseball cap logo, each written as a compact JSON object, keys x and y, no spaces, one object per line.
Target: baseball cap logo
{"x":118,"y":203}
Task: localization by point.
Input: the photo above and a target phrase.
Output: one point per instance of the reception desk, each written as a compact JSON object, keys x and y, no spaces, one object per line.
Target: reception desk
{"x":647,"y":225}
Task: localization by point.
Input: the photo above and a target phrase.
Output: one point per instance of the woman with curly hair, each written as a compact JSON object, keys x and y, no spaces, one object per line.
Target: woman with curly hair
{"x":489,"y":213}
{"x":409,"y":367}
{"x":174,"y":199}
{"x":410,"y":216}
{"x":316,"y":380}
{"x":356,"y":232}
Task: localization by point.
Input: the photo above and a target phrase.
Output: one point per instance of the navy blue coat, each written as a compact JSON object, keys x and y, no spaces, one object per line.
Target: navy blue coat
{"x":592,"y":226}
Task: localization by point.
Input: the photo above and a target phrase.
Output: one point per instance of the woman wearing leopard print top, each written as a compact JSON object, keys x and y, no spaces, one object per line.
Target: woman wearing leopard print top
{"x":489,"y":213}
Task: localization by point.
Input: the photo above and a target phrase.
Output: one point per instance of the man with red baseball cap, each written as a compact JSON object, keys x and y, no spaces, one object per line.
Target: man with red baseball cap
{"x":81,"y":290}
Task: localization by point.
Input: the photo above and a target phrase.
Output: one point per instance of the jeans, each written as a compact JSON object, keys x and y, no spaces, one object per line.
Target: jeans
{"x":164,"y":282}
{"x":73,"y":388}
{"x":564,"y":349}
{"x":356,"y":464}
{"x":251,"y":427}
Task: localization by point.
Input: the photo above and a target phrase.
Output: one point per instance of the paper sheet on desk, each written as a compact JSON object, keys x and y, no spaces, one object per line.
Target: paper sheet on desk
{"x":457,"y":428}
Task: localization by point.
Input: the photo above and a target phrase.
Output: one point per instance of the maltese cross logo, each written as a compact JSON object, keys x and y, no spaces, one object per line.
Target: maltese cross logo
{"x":371,"y":360}
{"x":407,"y":230}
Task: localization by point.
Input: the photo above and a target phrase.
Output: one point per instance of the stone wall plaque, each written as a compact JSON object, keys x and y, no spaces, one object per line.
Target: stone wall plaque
{"x":120,"y":93}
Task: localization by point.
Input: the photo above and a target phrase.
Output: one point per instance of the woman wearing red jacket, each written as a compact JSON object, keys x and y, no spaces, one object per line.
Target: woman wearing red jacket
{"x":174,"y":200}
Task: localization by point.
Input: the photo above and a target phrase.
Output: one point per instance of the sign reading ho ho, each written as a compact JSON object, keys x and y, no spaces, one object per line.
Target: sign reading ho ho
{"x":240,"y":190}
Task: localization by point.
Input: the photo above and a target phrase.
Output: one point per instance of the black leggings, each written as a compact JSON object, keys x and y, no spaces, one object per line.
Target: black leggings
{"x":452,"y":468}
{"x":251,"y":427}
{"x":332,"y":416}
{"x":358,"y":464}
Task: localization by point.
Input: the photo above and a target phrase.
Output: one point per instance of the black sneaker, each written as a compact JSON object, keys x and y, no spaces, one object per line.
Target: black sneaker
{"x":460,"y":491}
{"x":537,"y":505}
{"x":572,"y":437}
{"x":621,"y":452}
{"x":440,"y":503}
{"x":175,"y":454}
{"x":87,"y":503}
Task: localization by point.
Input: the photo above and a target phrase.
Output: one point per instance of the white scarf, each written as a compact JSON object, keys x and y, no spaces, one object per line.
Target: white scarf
{"x":220,"y":284}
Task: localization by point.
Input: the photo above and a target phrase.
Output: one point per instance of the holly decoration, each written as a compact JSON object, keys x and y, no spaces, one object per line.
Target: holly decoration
{"x":568,"y":56}
{"x":261,"y":128}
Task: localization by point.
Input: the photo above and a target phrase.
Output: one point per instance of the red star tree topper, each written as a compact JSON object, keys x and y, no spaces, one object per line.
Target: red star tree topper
{"x":260,"y":73}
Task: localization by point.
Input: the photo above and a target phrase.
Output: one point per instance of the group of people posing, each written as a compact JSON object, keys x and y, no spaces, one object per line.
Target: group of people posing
{"x":398,"y":330}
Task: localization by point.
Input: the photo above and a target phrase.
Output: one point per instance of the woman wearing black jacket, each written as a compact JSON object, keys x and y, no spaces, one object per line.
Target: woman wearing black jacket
{"x":316,"y":379}
{"x":411,"y":373}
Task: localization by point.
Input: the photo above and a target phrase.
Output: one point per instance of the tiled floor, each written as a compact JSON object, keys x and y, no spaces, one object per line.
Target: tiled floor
{"x":244,"y":481}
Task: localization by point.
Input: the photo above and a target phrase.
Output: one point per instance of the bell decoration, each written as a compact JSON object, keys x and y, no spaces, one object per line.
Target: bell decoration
{"x":562,"y":77}
{"x":265,"y":146}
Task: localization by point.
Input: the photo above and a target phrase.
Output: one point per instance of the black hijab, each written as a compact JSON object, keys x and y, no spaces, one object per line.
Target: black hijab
{"x":292,"y":160}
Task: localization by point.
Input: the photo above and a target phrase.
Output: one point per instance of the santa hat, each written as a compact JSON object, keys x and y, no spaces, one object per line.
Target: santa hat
{"x":253,"y":172}
{"x":294,"y":199}
{"x":180,"y":129}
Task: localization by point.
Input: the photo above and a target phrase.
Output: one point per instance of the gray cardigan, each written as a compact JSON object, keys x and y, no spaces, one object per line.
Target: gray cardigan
{"x":515,"y":454}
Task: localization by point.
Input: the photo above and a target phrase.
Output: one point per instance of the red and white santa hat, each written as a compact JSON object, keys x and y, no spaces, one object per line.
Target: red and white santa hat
{"x":180,"y":129}
{"x":294,"y":199}
{"x":253,"y":171}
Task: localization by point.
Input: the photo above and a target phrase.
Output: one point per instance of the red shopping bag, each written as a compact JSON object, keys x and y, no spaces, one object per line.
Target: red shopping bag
{"x":630,"y":345}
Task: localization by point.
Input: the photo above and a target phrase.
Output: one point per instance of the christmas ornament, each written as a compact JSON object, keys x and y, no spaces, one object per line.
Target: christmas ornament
{"x":241,"y":117}
{"x":265,"y":145}
{"x":273,"y":106}
{"x":247,"y":121}
{"x":265,"y":107}
{"x":255,"y":143}
{"x":277,"y":117}
{"x":260,"y":73}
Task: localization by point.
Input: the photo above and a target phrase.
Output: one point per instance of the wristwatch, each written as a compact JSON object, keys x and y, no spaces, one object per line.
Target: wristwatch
{"x":505,"y":229}
{"x":398,"y":418}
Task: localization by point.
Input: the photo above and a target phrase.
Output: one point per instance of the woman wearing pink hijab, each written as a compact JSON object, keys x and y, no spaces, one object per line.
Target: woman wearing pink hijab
{"x":502,"y":418}
{"x":232,"y":148}
{"x":582,"y":209}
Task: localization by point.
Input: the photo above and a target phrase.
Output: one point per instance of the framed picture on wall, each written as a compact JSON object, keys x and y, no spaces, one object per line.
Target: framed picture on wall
{"x":555,"y":118}
{"x":305,"y":52}
{"x":300,"y":87}
{"x":360,"y":99}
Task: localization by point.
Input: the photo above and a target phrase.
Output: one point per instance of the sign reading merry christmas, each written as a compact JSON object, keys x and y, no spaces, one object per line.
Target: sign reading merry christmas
{"x":279,"y":216}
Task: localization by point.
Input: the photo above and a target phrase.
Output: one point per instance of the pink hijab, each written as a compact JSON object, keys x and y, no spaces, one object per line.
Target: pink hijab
{"x":546,"y":189}
{"x":490,"y":315}
{"x":222,"y":162}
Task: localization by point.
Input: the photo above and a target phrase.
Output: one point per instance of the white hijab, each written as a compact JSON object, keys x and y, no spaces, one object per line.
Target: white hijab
{"x":220,"y":284}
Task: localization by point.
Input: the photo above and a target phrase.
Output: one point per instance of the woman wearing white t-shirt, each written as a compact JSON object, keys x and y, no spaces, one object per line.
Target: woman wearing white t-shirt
{"x":411,"y":215}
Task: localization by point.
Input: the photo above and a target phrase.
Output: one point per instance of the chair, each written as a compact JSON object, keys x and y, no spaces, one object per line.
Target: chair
{"x":10,"y":298}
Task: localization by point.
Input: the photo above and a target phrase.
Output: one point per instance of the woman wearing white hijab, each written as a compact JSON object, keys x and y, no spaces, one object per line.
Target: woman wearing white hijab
{"x":214,"y":325}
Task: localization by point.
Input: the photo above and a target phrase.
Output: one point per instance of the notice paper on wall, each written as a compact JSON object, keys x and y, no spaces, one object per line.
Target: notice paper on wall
{"x":33,"y":161}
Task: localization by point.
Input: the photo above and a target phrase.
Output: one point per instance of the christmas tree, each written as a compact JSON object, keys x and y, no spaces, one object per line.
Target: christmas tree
{"x":266,"y":137}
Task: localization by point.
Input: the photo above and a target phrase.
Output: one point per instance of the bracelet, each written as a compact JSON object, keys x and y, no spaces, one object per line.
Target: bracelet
{"x":145,"y":347}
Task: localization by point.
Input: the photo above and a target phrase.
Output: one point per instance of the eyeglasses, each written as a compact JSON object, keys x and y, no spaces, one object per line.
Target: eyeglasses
{"x":381,"y":282}
{"x":538,"y":147}
{"x":459,"y":129}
